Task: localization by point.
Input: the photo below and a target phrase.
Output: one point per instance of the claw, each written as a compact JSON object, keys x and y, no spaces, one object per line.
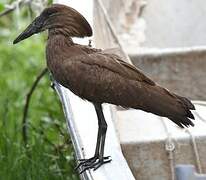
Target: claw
{"x":84,"y":162}
{"x":83,"y":170}
{"x":92,"y":163}
{"x":101,"y":163}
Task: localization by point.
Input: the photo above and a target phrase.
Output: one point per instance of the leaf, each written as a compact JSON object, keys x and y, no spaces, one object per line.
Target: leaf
{"x":2,"y":7}
{"x":50,"y":2}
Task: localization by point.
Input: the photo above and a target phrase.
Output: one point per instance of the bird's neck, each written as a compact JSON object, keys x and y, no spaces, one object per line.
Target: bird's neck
{"x":59,"y":37}
{"x":57,"y":47}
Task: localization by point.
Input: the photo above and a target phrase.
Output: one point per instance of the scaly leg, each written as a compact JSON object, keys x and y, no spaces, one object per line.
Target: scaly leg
{"x":98,"y":159}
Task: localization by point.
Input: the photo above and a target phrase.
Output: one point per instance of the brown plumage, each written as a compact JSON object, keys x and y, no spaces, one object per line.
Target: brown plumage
{"x":99,"y":77}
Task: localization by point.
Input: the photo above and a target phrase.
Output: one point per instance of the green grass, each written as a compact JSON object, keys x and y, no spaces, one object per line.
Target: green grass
{"x":49,"y":154}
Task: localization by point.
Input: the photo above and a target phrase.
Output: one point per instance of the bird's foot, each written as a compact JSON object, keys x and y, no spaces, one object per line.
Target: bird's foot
{"x":92,"y":163}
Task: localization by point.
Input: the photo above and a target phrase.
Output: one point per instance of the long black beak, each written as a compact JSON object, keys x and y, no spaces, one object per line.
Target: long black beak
{"x":33,"y":28}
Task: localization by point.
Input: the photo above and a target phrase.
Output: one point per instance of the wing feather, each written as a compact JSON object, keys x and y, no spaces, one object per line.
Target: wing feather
{"x":113,"y":63}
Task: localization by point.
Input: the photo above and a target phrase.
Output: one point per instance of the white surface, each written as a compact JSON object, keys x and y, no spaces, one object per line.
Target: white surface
{"x":175,"y":23}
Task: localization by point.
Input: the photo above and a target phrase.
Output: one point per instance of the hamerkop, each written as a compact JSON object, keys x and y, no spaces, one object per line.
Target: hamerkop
{"x":100,"y":77}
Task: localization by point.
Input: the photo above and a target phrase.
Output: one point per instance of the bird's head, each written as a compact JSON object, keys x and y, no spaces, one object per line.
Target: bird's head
{"x":60,"y":18}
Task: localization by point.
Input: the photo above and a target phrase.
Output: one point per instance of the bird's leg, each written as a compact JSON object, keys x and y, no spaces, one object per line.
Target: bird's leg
{"x":101,"y":159}
{"x":98,"y":159}
{"x":96,"y":154}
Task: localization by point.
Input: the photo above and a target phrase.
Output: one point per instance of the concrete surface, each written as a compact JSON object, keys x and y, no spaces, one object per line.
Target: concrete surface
{"x":181,"y":71}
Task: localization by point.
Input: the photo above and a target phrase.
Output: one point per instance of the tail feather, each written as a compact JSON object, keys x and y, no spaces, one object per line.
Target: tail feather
{"x":156,"y":100}
{"x":184,"y":121}
{"x":167,"y":104}
{"x":190,"y":115}
{"x":186,"y":102}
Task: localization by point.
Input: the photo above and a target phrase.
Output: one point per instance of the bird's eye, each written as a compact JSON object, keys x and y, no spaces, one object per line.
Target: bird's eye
{"x":48,"y":12}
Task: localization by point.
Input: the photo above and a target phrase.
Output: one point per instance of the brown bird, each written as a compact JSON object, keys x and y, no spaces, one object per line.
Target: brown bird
{"x":100,"y":77}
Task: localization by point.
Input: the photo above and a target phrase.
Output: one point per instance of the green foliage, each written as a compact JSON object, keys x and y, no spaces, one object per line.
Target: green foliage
{"x":50,"y":2}
{"x":49,"y":154}
{"x":1,"y":7}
